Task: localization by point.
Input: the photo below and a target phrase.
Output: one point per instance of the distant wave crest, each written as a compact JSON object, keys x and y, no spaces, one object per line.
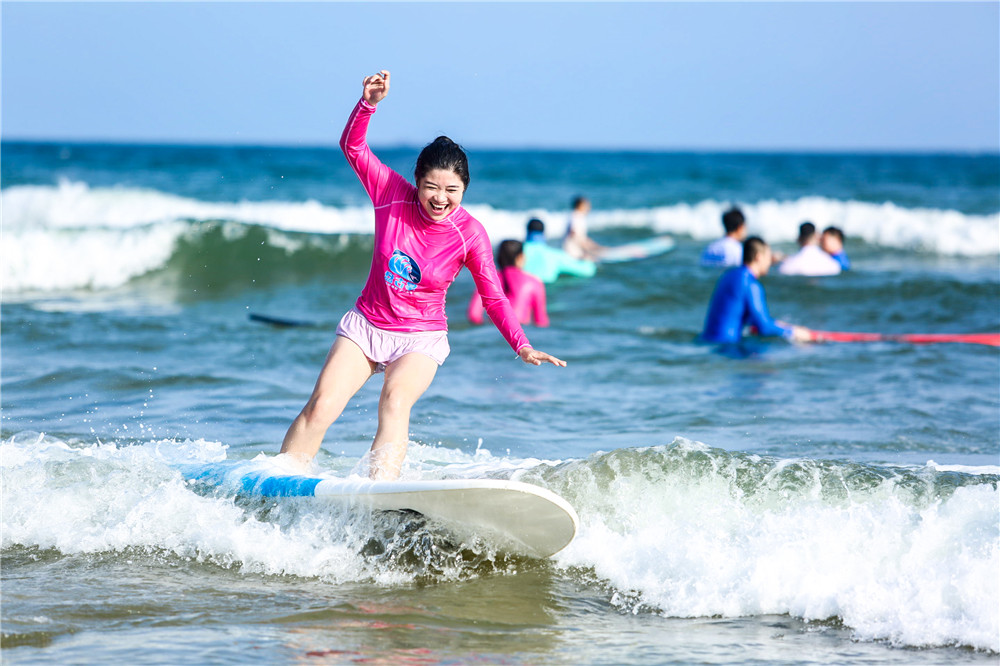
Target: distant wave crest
{"x":71,"y":236}
{"x":945,"y":232}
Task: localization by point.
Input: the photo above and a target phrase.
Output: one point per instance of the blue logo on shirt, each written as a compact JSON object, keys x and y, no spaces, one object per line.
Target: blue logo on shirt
{"x":403,"y":273}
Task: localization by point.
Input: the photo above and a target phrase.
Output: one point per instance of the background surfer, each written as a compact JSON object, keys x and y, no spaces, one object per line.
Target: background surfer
{"x":423,"y":237}
{"x":578,"y":243}
{"x":738,"y":301}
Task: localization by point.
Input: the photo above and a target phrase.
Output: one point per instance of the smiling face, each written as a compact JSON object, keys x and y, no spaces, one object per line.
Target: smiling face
{"x":440,"y":192}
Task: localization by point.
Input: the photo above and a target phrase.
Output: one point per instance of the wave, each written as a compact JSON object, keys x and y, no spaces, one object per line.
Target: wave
{"x":945,"y":232}
{"x":74,"y":237}
{"x":907,"y":555}
{"x":910,"y":556}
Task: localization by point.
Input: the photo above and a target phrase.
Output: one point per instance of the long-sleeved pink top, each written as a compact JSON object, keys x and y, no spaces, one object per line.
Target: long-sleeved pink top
{"x":526,"y":294}
{"x":416,"y":258}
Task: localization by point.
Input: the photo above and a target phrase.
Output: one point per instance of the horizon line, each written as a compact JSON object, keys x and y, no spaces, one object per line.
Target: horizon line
{"x":556,"y":148}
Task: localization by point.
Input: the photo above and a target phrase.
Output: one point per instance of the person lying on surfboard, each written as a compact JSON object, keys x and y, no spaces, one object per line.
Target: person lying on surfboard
{"x":738,"y":301}
{"x":547,"y":263}
{"x":423,"y":237}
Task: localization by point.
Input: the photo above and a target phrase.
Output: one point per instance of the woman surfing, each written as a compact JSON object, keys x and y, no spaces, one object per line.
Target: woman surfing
{"x":423,"y":238}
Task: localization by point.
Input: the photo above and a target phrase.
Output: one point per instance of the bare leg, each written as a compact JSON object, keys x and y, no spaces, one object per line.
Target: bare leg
{"x":345,"y":371}
{"x":406,"y":379}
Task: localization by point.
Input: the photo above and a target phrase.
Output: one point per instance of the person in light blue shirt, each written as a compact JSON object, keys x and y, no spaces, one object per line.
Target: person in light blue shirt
{"x":546,"y":262}
{"x":728,"y":250}
{"x":738,"y":301}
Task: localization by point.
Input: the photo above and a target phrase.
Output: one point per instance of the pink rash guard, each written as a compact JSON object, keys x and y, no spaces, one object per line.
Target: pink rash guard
{"x":526,"y":294}
{"x":416,"y":258}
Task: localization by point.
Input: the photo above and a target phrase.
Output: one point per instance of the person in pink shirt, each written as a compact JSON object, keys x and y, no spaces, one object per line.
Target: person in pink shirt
{"x":525,"y":292}
{"x":423,"y":237}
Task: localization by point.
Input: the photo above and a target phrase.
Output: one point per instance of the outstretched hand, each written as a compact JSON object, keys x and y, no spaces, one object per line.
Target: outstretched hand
{"x":802,"y":334}
{"x":535,"y":357}
{"x":799,"y":333}
{"x":376,"y":87}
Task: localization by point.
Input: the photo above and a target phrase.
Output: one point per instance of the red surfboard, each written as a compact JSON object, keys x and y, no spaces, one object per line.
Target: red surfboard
{"x":992,"y":339}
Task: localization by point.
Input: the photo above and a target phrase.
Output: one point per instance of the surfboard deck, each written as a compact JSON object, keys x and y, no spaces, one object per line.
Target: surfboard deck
{"x":649,"y":247}
{"x":991,"y":339}
{"x":520,"y":517}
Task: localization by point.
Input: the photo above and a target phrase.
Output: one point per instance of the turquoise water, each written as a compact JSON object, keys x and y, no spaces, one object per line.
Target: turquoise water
{"x":791,"y":504}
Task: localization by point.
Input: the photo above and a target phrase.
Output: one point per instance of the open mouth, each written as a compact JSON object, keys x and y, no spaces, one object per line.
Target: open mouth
{"x":437,"y":208}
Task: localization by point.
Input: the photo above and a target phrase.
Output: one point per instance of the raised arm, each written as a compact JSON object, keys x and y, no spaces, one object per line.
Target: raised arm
{"x":354,"y":141}
{"x":376,"y":87}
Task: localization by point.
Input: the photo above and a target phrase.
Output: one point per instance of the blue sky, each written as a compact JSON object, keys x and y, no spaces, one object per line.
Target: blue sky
{"x":674,"y":76}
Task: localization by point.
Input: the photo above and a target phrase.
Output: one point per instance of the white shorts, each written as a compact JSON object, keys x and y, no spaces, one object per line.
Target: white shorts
{"x":383,"y":347}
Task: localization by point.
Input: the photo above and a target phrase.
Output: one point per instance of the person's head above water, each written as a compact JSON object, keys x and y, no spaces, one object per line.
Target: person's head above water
{"x":733,"y":221}
{"x":757,"y":255}
{"x":536,"y":230}
{"x":508,"y":252}
{"x":442,"y":176}
{"x":807,"y":233}
{"x":832,"y":240}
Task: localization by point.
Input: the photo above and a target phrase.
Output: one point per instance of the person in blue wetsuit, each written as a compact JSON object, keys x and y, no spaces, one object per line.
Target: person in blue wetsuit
{"x":738,"y":301}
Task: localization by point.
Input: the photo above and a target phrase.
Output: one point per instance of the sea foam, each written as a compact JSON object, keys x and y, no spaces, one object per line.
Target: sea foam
{"x":689,"y":531}
{"x":910,"y":556}
{"x":104,"y":498}
{"x":945,"y":232}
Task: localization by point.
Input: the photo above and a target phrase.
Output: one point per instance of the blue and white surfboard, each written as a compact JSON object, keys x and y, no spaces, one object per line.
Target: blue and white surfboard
{"x":521,"y":517}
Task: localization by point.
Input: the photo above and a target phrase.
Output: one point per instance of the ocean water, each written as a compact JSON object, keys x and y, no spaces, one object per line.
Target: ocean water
{"x":792,"y":504}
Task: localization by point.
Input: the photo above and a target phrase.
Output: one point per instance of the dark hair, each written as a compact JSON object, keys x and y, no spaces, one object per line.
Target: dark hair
{"x":733,"y":219}
{"x":752,"y":247}
{"x":534,"y":224}
{"x":577,"y":201}
{"x":443,"y":153}
{"x":508,"y":252}
{"x":835,"y":232}
{"x":806,"y":231}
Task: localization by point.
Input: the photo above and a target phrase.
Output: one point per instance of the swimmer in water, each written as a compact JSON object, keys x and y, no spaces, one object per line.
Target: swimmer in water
{"x":548,"y":263}
{"x":832,"y":242}
{"x":578,"y":243}
{"x":810,"y":260}
{"x":423,"y":238}
{"x":525,"y":292}
{"x":738,"y":301}
{"x":728,"y":250}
